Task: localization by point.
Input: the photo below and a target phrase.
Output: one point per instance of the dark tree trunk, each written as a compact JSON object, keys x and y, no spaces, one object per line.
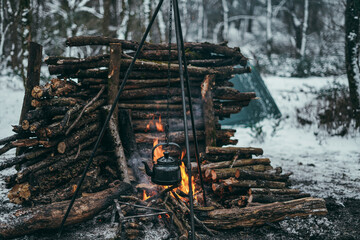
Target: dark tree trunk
{"x":352,"y":54}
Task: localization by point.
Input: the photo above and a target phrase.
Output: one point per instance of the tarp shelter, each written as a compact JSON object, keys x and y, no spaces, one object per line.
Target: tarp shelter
{"x":264,"y":107}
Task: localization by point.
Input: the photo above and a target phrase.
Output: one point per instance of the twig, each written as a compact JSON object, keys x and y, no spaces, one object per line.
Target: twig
{"x":83,"y":110}
{"x":181,"y":203}
{"x":160,"y":194}
{"x":233,"y":161}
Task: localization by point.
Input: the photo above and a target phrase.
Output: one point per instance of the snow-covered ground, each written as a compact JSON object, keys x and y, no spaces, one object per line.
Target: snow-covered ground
{"x":323,"y":165}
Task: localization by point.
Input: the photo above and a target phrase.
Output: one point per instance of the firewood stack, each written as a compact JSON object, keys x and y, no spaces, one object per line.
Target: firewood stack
{"x":55,"y":137}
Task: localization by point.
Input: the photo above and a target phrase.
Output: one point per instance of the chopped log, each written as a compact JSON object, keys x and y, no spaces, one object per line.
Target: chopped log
{"x":6,"y":148}
{"x":78,"y":137}
{"x":231,"y":185}
{"x":148,"y":66}
{"x":233,"y":150}
{"x":102,"y":73}
{"x":277,"y":198}
{"x":150,"y":106}
{"x":58,"y":102}
{"x":127,"y":132}
{"x":137,"y":114}
{"x":141,"y":83}
{"x":259,"y":215}
{"x":36,"y":125}
{"x":55,"y":129}
{"x":263,"y":191}
{"x":229,"y":104}
{"x":208,"y":110}
{"x":175,"y":124}
{"x":46,"y":180}
{"x":57,"y":87}
{"x":189,"y":46}
{"x":28,"y":220}
{"x":152,"y":92}
{"x":11,"y":138}
{"x":223,"y":173}
{"x":237,"y":163}
{"x":228,"y":93}
{"x":252,"y":175}
{"x":54,"y":59}
{"x":23,"y":175}
{"x":92,"y":101}
{"x":222,"y":135}
{"x":113,"y":82}
{"x":117,"y":144}
{"x":9,"y":162}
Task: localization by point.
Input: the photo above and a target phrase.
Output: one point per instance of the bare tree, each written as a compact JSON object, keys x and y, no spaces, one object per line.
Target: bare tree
{"x":304,"y":28}
{"x":352,"y":53}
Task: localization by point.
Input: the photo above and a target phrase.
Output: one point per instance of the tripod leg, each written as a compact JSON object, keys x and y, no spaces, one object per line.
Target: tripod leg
{"x":178,"y":23}
{"x":181,"y":72}
{"x":109,"y":115}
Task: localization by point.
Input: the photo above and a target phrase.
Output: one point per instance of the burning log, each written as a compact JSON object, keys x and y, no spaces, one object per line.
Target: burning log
{"x":259,"y":215}
{"x":28,"y":220}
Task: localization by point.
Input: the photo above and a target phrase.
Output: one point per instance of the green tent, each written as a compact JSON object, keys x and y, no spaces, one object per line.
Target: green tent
{"x":265,"y":107}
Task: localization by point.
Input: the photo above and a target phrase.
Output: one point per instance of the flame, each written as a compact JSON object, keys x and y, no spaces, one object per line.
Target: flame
{"x":159,"y":125}
{"x":184,"y":186}
{"x":145,"y":196}
{"x":159,"y":152}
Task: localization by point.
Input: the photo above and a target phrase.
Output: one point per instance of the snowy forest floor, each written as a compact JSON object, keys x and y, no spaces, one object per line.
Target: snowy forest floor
{"x":324,"y":166}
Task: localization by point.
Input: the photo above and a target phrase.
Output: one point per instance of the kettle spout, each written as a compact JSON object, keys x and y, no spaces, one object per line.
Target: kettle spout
{"x":147,"y":169}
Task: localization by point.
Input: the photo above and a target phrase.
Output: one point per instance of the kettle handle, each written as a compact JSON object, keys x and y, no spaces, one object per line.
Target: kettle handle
{"x":166,"y":144}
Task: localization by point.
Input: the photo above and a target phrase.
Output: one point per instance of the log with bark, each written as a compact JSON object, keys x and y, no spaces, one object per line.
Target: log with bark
{"x":29,"y":220}
{"x":133,"y":45}
{"x":260,"y":215}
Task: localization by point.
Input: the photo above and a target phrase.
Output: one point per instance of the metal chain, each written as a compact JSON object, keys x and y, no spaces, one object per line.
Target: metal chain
{"x":169,"y":76}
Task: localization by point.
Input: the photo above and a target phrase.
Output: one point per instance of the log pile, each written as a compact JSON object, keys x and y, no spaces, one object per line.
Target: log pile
{"x":58,"y":132}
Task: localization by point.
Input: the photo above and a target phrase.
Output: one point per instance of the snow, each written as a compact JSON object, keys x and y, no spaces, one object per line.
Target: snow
{"x":323,"y":165}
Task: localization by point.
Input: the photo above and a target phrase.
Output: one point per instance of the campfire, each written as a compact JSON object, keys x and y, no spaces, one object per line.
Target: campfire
{"x":64,"y":116}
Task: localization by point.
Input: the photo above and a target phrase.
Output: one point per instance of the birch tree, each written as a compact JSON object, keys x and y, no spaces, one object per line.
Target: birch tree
{"x":352,"y":53}
{"x":268,"y":26}
{"x":304,"y":28}
{"x":226,"y":20}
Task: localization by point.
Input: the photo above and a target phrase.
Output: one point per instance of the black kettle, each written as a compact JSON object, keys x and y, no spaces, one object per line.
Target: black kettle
{"x":167,"y":169}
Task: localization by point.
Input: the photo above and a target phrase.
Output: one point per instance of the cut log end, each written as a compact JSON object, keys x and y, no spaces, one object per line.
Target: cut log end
{"x":61,"y":147}
{"x":37,"y":92}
